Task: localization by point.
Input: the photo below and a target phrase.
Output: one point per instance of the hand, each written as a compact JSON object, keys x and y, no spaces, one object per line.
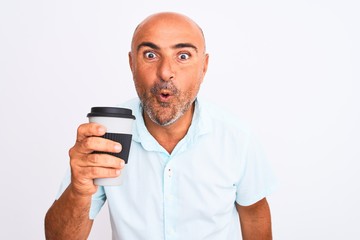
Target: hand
{"x":85,"y":166}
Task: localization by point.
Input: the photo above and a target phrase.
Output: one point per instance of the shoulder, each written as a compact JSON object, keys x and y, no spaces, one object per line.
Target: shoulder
{"x":133,"y":104}
{"x":223,"y":119}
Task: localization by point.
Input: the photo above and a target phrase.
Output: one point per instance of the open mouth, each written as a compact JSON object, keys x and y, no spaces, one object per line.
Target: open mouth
{"x":165,"y":95}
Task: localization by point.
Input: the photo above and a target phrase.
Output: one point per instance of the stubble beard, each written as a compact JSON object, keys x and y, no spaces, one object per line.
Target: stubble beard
{"x":166,"y":113}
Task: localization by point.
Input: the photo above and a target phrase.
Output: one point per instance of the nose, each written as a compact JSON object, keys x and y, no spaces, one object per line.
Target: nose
{"x":166,"y":70}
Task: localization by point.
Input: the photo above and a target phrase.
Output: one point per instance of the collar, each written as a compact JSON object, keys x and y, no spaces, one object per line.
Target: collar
{"x":200,"y":125}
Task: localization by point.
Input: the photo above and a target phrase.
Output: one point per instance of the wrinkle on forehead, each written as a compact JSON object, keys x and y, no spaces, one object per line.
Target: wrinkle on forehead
{"x":169,"y":19}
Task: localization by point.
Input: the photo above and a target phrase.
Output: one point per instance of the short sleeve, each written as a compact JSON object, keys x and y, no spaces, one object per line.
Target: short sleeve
{"x":257,"y":179}
{"x":64,"y":184}
{"x":97,"y":201}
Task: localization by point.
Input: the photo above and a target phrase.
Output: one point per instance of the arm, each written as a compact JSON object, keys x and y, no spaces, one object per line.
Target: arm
{"x":68,"y":217}
{"x":255,"y":221}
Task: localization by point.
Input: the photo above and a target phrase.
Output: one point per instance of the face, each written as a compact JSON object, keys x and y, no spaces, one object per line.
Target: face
{"x":168,"y":63}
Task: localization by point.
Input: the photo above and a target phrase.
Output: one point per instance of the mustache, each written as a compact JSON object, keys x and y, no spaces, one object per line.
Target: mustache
{"x":168,"y":86}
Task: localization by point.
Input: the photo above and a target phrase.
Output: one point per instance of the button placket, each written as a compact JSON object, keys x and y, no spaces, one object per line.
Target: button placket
{"x":170,"y":205}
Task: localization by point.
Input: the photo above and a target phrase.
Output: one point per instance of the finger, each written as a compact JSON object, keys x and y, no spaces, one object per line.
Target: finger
{"x":102,"y":160}
{"x":99,"y":172}
{"x":89,"y":129}
{"x":91,"y":144}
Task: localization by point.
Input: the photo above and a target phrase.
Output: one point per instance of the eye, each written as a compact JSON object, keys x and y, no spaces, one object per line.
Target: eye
{"x":184,"y":56}
{"x":150,"y":55}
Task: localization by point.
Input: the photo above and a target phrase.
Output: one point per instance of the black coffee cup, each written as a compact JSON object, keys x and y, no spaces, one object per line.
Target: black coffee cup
{"x":118,"y":122}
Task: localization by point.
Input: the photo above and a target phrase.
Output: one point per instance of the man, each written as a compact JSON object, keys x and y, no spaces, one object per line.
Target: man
{"x":193,"y":172}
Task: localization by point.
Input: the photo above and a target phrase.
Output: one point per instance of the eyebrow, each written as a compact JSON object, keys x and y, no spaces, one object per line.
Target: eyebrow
{"x":148,"y":44}
{"x":176,"y":46}
{"x":185,"y":45}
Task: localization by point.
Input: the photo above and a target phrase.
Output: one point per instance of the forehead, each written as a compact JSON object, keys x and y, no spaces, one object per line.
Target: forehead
{"x":166,"y":31}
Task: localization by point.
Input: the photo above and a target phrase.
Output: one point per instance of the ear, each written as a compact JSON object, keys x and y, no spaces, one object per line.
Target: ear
{"x":206,"y":62}
{"x":131,"y":62}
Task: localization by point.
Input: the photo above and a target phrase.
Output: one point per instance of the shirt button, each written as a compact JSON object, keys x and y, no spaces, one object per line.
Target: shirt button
{"x":171,"y":231}
{"x":169,"y":197}
{"x":169,"y":172}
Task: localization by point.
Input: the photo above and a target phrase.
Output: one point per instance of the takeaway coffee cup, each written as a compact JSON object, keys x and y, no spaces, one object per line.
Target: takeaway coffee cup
{"x":118,"y":122}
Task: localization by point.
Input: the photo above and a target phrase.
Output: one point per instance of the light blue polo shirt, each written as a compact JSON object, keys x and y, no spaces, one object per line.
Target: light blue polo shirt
{"x":190,"y":193}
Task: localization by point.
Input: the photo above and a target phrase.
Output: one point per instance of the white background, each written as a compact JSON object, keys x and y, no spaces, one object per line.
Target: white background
{"x":289,"y":68}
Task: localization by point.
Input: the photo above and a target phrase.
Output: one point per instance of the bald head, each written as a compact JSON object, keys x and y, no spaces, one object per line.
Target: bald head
{"x":168,"y":23}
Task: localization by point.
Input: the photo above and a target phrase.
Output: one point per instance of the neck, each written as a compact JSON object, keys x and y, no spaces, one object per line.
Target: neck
{"x":169,"y":136}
